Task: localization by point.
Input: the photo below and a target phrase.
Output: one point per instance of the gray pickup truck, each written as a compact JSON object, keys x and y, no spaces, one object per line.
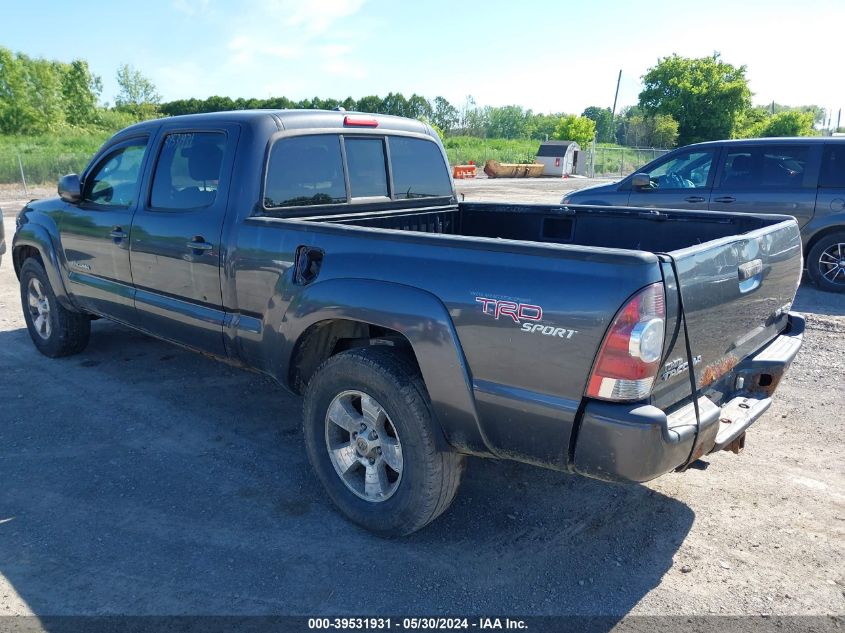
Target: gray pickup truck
{"x":328,"y":250}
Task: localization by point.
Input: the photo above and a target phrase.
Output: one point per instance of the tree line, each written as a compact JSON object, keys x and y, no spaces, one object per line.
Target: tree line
{"x":684,"y":100}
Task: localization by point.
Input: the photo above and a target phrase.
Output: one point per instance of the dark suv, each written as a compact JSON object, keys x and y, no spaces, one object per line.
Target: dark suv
{"x":801,"y":177}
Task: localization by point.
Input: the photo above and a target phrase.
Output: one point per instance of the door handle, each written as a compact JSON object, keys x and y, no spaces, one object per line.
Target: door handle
{"x":694,"y":199}
{"x":725,"y":199}
{"x":199,"y":244}
{"x":117,"y":234}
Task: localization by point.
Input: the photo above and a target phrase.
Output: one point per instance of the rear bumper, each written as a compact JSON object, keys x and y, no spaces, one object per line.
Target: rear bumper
{"x":638,"y":442}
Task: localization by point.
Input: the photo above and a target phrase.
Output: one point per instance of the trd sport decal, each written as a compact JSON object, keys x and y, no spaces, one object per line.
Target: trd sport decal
{"x":526,"y":315}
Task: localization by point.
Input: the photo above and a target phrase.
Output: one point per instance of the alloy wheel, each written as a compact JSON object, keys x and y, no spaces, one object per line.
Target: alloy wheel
{"x":363,"y":446}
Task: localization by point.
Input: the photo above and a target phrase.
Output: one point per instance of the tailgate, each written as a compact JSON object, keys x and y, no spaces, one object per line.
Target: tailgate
{"x":736,"y":292}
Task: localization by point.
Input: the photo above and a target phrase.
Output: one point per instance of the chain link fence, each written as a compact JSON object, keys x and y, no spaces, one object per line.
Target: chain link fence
{"x":26,"y":169}
{"x":609,"y":162}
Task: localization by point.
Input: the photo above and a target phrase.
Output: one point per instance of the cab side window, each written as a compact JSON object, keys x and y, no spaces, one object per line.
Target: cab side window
{"x":113,"y":182}
{"x":187,"y":172}
{"x":833,"y":167}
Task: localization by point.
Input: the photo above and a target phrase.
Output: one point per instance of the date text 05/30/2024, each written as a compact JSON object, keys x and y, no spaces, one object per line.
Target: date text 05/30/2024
{"x":413,"y":624}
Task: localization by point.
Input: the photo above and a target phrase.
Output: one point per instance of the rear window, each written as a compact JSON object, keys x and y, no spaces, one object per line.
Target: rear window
{"x":367,"y":171}
{"x":309,"y":170}
{"x":418,"y":169}
{"x":305,"y":170}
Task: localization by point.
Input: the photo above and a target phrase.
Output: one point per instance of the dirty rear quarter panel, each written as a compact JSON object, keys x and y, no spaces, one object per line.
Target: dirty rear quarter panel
{"x":527,"y":386}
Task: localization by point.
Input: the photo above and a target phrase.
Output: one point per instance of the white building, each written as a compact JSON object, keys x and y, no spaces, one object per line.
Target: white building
{"x":561,"y":158}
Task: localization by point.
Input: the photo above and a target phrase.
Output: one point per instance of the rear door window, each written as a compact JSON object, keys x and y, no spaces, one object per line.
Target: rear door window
{"x":305,"y":170}
{"x":833,"y":167}
{"x":419,"y":170}
{"x":188,"y":170}
{"x":367,"y":167}
{"x":764,"y":167}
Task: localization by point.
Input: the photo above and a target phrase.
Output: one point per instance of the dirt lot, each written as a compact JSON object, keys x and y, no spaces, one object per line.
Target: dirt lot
{"x":139,"y":478}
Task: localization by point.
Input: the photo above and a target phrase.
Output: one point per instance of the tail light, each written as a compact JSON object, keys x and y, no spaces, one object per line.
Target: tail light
{"x":630,"y":354}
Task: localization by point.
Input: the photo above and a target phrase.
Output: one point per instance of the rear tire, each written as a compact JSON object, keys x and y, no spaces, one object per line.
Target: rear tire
{"x":367,"y":415}
{"x":826,"y":262}
{"x":55,"y":330}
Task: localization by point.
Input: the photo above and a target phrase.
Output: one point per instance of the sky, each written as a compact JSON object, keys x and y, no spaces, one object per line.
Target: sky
{"x":548,"y":56}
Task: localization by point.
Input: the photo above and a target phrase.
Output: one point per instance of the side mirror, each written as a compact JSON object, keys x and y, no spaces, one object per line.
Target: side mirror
{"x":640,"y":181}
{"x":70,"y":188}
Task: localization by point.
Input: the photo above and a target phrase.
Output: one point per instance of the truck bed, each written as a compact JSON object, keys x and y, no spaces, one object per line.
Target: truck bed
{"x":608,"y":227}
{"x":735,"y":274}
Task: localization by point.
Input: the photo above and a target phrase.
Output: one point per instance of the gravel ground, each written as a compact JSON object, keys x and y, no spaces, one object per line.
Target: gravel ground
{"x":540,"y":190}
{"x":138,"y":478}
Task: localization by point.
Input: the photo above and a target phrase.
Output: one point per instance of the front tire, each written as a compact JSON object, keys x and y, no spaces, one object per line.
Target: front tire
{"x":826,"y":262}
{"x":371,"y":439}
{"x":55,"y":330}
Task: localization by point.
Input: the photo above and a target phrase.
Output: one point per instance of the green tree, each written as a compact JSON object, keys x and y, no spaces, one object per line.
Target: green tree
{"x":789,"y":123}
{"x":137,"y":93}
{"x":576,"y":128}
{"x":17,"y":116}
{"x":395,"y":104}
{"x":509,"y":122}
{"x":603,"y":120}
{"x":418,"y":108}
{"x":30,"y":94}
{"x":705,"y":95}
{"x":663,"y":131}
{"x":444,"y":115}
{"x":543,"y":125}
{"x":371,"y":104}
{"x":818,"y":112}
{"x":80,"y":90}
{"x":750,"y":124}
{"x":45,"y":92}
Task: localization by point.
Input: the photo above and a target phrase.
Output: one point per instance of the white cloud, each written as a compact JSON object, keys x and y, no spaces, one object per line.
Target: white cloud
{"x":185,"y":78}
{"x":318,"y":17}
{"x":246,"y":50}
{"x":273,"y":31}
{"x":192,"y":7}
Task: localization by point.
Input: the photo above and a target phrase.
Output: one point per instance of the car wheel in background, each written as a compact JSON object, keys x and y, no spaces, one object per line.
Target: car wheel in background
{"x":826,"y":262}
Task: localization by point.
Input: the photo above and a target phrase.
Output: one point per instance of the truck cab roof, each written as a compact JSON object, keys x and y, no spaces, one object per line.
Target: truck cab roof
{"x":293,"y":120}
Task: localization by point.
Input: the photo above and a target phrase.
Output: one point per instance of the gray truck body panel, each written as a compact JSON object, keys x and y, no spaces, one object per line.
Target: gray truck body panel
{"x":421,"y":271}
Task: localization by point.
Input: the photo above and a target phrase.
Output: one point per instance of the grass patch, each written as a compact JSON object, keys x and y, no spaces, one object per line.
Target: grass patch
{"x":47,"y":157}
{"x":462,"y":149}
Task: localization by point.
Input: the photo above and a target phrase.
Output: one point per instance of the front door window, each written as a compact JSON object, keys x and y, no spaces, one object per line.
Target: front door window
{"x":113,"y":182}
{"x":686,"y":171}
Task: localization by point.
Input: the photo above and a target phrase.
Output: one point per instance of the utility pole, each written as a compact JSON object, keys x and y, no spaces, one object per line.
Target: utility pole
{"x":615,"y":97}
{"x":838,"y":120}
